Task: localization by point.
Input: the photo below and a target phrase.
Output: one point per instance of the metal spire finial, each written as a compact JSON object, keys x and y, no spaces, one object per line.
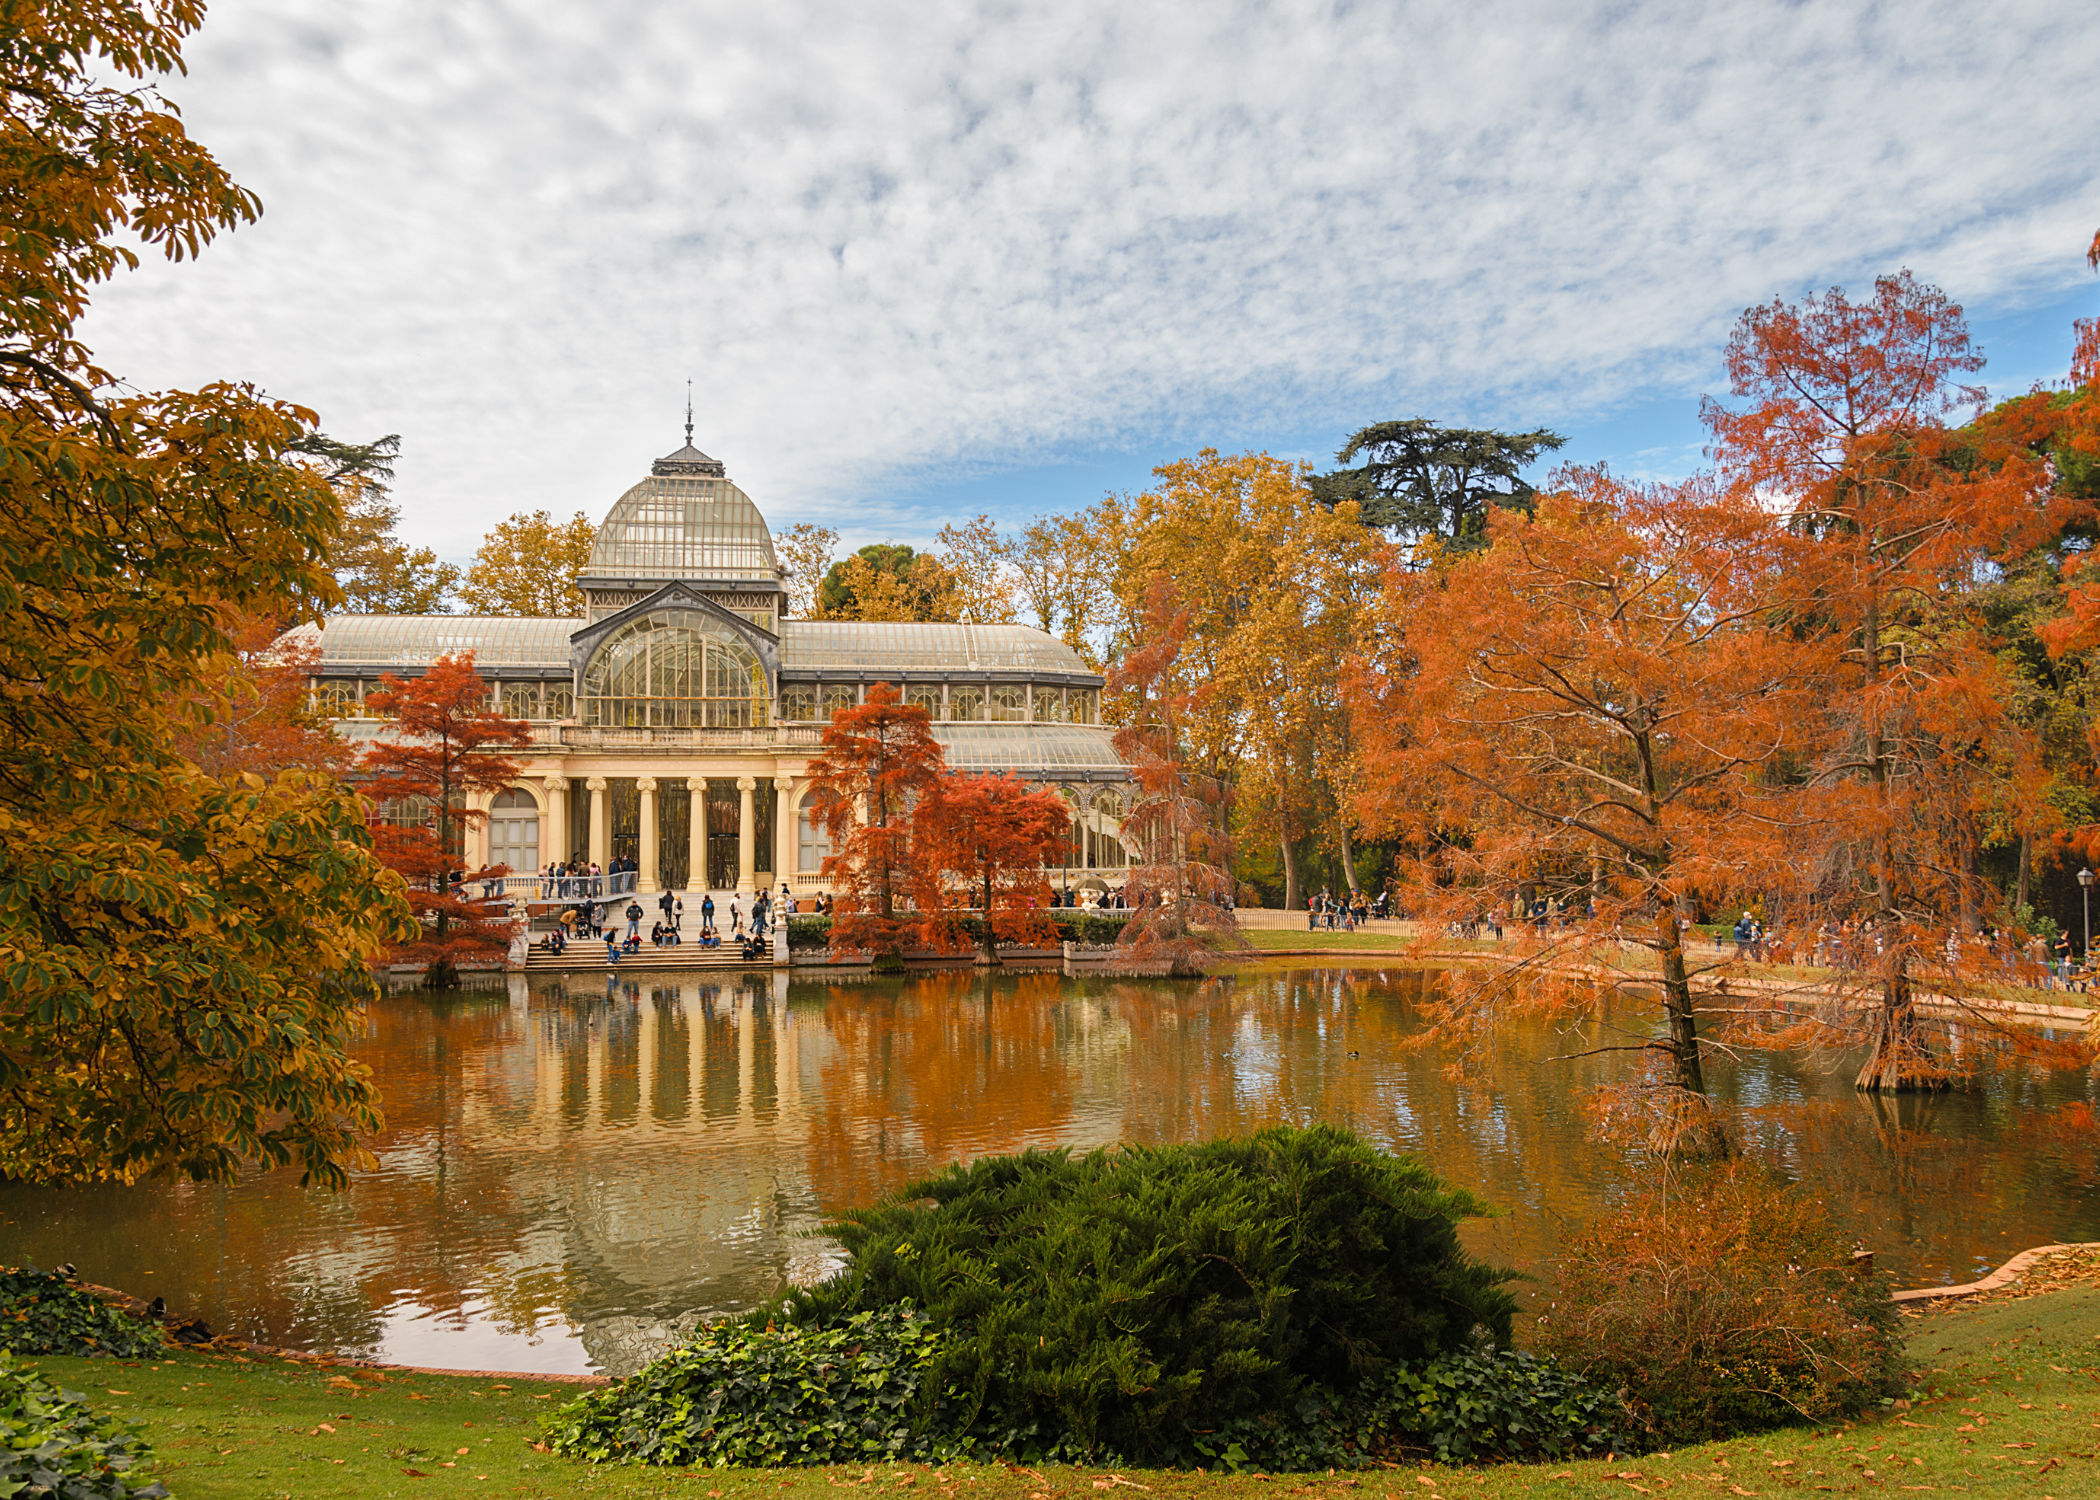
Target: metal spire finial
{"x":689,"y":414}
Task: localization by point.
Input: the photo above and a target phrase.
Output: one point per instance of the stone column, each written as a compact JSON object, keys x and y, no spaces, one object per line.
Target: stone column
{"x":646,"y":881}
{"x":746,"y":835}
{"x":554,"y":839}
{"x":697,"y":880}
{"x":474,"y":848}
{"x":600,"y":837}
{"x":783,"y":831}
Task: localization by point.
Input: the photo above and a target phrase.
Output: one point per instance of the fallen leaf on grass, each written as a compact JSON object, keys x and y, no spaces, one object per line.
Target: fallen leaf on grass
{"x":415,"y":1474}
{"x":316,"y":1432}
{"x":116,"y":1393}
{"x":1736,"y":1489}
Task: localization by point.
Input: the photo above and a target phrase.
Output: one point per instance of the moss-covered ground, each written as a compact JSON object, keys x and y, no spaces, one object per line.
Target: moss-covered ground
{"x":2009,"y":1404}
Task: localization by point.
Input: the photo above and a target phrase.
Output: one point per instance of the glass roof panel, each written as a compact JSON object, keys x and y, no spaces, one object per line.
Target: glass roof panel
{"x":857,"y":645}
{"x":1045,"y":749}
{"x":682,"y":526}
{"x":418,"y":640}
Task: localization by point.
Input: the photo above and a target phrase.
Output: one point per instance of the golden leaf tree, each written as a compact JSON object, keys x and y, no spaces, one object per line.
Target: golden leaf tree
{"x":528,"y":566}
{"x":807,"y":549}
{"x":184,"y":956}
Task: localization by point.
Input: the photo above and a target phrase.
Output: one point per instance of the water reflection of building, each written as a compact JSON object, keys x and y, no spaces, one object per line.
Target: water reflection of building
{"x":673,"y":1120}
{"x":673,"y":723}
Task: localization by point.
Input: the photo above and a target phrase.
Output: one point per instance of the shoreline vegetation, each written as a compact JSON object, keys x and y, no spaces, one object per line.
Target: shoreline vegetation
{"x":2001,"y":1402}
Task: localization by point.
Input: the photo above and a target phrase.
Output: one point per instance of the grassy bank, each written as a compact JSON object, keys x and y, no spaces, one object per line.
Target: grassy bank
{"x":2010,"y":1405}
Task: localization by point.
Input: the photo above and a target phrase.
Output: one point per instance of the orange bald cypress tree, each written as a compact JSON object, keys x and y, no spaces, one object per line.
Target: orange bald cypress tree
{"x":1592,"y":711}
{"x":993,"y":836}
{"x":1841,"y":425}
{"x":445,"y":743}
{"x":880,"y":761}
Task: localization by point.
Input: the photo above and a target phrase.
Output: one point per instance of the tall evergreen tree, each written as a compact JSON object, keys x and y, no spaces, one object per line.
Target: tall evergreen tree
{"x":1420,"y":480}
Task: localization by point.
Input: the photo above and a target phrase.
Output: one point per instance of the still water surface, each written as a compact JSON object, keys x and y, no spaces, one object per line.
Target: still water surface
{"x":573,"y":1173}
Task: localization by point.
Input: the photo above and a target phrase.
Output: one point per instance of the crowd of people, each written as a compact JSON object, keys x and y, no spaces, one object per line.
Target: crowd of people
{"x":582,"y":877}
{"x":590,"y":919}
{"x":1325,"y":912}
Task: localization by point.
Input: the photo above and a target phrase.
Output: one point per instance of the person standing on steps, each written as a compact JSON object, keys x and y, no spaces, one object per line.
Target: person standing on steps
{"x":634,"y":920}
{"x":664,"y":903}
{"x":707,"y":912}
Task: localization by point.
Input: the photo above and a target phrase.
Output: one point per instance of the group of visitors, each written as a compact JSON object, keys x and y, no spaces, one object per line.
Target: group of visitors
{"x":582,"y":877}
{"x":1345,"y":913}
{"x":588,"y":919}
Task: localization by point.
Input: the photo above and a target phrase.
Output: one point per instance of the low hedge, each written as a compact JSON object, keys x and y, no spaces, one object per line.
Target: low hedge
{"x":52,"y":1444}
{"x":43,"y":1312}
{"x":1072,"y":927}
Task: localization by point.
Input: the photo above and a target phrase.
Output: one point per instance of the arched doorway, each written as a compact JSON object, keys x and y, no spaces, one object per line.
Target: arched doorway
{"x":514,"y":831}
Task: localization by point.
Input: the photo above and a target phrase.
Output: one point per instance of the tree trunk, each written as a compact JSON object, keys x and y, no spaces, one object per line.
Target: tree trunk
{"x":1348,"y":858}
{"x":1898,"y":1060}
{"x":1971,"y":921}
{"x":2020,"y":901}
{"x":1290,"y":872}
{"x":1677,"y":1005}
{"x":1689,"y":1130}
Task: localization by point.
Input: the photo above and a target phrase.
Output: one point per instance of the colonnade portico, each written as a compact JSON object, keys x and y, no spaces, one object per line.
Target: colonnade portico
{"x":596,"y":846}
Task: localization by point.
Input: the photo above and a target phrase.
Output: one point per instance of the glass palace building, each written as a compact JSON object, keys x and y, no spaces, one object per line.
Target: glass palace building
{"x":672,"y":726}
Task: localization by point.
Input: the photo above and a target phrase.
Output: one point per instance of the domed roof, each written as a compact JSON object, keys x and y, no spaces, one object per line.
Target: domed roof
{"x":686,"y":520}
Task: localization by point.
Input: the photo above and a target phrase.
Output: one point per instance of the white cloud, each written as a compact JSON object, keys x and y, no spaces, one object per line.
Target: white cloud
{"x":893,"y":240}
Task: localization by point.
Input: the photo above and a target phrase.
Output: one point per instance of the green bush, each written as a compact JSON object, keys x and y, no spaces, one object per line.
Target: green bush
{"x":744,"y":1396}
{"x":1128,"y":1301}
{"x":53,"y":1445}
{"x":1734,"y":1305}
{"x":1072,"y":927}
{"x":42,"y":1312}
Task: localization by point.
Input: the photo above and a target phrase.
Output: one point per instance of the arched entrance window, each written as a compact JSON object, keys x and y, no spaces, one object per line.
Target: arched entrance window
{"x":812,"y":844}
{"x":675,"y":668}
{"x":514,"y":831}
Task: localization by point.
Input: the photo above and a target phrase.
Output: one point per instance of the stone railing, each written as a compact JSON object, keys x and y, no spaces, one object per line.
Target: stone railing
{"x":780,"y":736}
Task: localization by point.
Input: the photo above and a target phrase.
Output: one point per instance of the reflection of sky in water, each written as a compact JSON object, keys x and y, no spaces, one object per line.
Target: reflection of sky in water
{"x":571,"y":1177}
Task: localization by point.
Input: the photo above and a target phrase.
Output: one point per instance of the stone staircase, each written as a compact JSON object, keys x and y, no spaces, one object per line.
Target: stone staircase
{"x":680,"y":958}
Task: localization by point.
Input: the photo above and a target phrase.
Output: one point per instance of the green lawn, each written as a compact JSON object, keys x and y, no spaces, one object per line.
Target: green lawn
{"x":1269,"y":938}
{"x":2010,"y":1406}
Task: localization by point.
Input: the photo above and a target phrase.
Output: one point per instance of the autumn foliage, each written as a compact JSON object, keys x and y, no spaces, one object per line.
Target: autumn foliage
{"x":990,"y":837}
{"x":445,"y":744}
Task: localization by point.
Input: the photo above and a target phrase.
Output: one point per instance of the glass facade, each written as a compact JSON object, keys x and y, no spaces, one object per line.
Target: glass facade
{"x":676,"y":526}
{"x":674,"y":668}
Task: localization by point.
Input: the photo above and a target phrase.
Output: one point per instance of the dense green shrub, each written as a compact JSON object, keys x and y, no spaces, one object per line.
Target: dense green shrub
{"x":42,"y":1312}
{"x":1131,"y":1300}
{"x":1072,"y":927}
{"x":745,"y":1396}
{"x":53,"y":1445}
{"x":1732,"y":1306}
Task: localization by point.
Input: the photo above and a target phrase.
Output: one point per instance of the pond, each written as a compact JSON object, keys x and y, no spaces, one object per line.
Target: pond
{"x":572,"y":1174}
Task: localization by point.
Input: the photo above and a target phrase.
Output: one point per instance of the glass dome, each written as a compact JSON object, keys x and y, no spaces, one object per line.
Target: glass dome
{"x":683,"y":525}
{"x":674,"y":668}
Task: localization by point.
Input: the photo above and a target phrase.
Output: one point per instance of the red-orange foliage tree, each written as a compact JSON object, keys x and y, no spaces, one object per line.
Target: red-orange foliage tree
{"x":880,"y":760}
{"x":1181,"y":883}
{"x":445,"y":742}
{"x":258,"y":718}
{"x":1842,"y":426}
{"x":1589,"y":709}
{"x":995,"y":836}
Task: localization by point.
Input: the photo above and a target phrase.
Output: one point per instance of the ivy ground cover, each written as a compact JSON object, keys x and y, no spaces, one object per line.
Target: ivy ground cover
{"x":2008,"y":1404}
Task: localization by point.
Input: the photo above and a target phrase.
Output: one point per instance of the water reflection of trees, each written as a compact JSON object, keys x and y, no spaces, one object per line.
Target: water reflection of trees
{"x":621,"y":1156}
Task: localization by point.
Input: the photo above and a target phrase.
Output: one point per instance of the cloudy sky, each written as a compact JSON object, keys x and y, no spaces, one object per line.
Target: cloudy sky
{"x":923,"y":259}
